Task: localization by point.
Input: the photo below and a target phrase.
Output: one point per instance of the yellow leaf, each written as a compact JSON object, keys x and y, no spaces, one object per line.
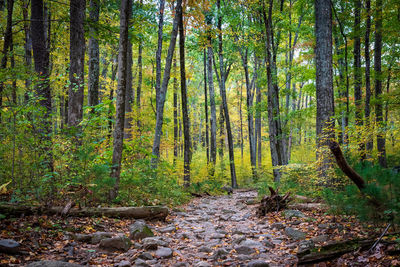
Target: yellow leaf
{"x":3,"y":188}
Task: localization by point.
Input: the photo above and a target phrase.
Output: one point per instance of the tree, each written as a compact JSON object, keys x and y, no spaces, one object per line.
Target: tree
{"x":185,"y":114}
{"x":77,"y":61}
{"x":159,"y":49}
{"x":94,"y":58}
{"x":380,"y":137}
{"x":324,"y":80}
{"x":367,"y":110}
{"x":125,"y":14}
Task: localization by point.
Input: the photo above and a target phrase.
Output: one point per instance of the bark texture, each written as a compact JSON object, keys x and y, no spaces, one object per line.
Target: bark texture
{"x":94,"y":58}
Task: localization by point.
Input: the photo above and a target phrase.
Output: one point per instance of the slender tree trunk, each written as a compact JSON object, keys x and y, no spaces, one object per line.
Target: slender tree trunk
{"x":139,"y":85}
{"x":94,"y":58}
{"x":111,"y":97}
{"x":27,"y":45}
{"x":324,"y":81}
{"x":213,"y":118}
{"x":367,"y":110}
{"x":206,"y":106}
{"x":129,"y":93}
{"x":77,"y":61}
{"x":42,"y":88}
{"x":175,"y":83}
{"x":159,"y":50}
{"x":258,"y":125}
{"x":241,"y":121}
{"x":125,"y":14}
{"x":164,"y":87}
{"x":380,"y":137}
{"x":185,"y":114}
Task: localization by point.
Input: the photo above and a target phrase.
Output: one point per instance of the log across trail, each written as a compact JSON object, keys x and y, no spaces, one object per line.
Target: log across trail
{"x":208,"y":231}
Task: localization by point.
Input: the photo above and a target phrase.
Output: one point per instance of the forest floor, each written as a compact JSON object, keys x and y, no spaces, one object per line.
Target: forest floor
{"x":208,"y":231}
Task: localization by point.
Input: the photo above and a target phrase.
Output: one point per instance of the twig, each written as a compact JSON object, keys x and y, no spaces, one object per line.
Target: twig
{"x":380,"y":238}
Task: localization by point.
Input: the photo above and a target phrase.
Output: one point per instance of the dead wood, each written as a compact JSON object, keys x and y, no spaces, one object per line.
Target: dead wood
{"x":274,"y":202}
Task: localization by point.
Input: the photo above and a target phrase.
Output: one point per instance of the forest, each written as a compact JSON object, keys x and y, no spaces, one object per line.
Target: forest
{"x":199,"y":133}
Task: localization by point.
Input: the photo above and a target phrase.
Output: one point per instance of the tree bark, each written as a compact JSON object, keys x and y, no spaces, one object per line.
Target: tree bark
{"x":175,"y":83}
{"x":125,"y":14}
{"x":27,"y":45}
{"x":164,"y":87}
{"x":367,"y":110}
{"x":357,"y":66}
{"x":380,"y":137}
{"x":187,"y":157}
{"x":129,"y":93}
{"x":94,"y":58}
{"x":159,"y":50}
{"x":206,"y":106}
{"x":324,"y":81}
{"x":77,"y":61}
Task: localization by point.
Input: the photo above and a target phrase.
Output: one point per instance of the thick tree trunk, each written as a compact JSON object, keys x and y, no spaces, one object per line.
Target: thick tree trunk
{"x":42,"y":88}
{"x":94,"y":58}
{"x":125,"y":14}
{"x":159,"y":50}
{"x":164,"y":87}
{"x":187,"y":157}
{"x":380,"y":137}
{"x":324,"y":81}
{"x":7,"y":44}
{"x":77,"y":61}
{"x":367,"y":110}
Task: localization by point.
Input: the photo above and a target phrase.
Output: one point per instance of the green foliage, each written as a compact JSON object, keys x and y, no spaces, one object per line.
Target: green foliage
{"x":383,"y":186}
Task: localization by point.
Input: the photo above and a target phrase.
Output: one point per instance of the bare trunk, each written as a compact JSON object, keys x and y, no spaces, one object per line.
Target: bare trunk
{"x":159,"y":50}
{"x":129,"y":93}
{"x":206,"y":106}
{"x":94,"y":58}
{"x":369,"y":142}
{"x":175,"y":83}
{"x":125,"y":14}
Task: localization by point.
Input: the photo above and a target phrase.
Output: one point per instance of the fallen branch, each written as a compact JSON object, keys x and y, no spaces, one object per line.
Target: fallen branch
{"x":309,"y":206}
{"x":148,"y":212}
{"x":274,"y":202}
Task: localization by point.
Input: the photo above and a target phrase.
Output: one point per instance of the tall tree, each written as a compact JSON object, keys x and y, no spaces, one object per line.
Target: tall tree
{"x":164,"y":87}
{"x":380,"y":137}
{"x":175,"y":83}
{"x":125,"y":14}
{"x":77,"y":61}
{"x":42,"y":87}
{"x":94,"y":58}
{"x":187,"y":156}
{"x":357,"y":63}
{"x":206,"y":106}
{"x":367,"y":110}
{"x":159,"y":49}
{"x":140,"y":77}
{"x":324,"y":80}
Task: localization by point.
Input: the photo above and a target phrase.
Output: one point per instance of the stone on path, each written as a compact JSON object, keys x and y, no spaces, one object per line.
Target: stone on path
{"x":141,"y":263}
{"x":153,"y":242}
{"x":257,"y":263}
{"x":116,"y":243}
{"x":124,"y":263}
{"x":294,"y":234}
{"x":164,"y":252}
{"x":320,"y":238}
{"x":53,"y":264}
{"x":203,"y":264}
{"x":245,"y":250}
{"x":168,"y":229}
{"x":9,"y":246}
{"x":220,"y":254}
{"x":140,"y":230}
{"x":293,"y":213}
{"x":205,"y":249}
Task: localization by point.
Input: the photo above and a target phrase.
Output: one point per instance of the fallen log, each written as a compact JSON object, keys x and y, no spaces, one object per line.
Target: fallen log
{"x":334,"y":250}
{"x":147,"y":212}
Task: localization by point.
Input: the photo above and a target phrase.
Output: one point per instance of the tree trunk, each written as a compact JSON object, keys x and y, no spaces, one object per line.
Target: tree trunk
{"x":378,"y":85}
{"x":7,"y":44}
{"x":42,"y":88}
{"x":185,"y":114}
{"x":213,"y":118}
{"x":159,"y":50}
{"x":357,"y":65}
{"x":324,"y":81}
{"x":206,"y":106}
{"x":114,"y":69}
{"x":164,"y":87}
{"x":175,"y":83}
{"x":139,"y":85}
{"x":129,"y":93}
{"x":125,"y":14}
{"x":77,"y":61}
{"x":94,"y":58}
{"x":367,"y":111}
{"x":241,"y":121}
{"x":27,"y":45}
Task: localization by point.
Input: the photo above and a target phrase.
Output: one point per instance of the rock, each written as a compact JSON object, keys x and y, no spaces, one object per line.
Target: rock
{"x":252,"y":201}
{"x":220,"y":254}
{"x":9,"y":246}
{"x":95,"y":238}
{"x":146,"y":256}
{"x":246,"y":216}
{"x":116,"y":243}
{"x":203,"y":264}
{"x":320,"y":238}
{"x":295,"y":222}
{"x":205,"y":249}
{"x":244,"y":250}
{"x":123,"y":264}
{"x":278,"y":226}
{"x":294,"y":234}
{"x":227,"y":189}
{"x":141,"y":263}
{"x":305,"y":245}
{"x":140,"y":230}
{"x":268,"y":244}
{"x":168,"y":229}
{"x":164,"y":252}
{"x":238,"y":240}
{"x":251,"y":243}
{"x":323,"y":226}
{"x":53,"y":264}
{"x":153,"y":242}
{"x":257,"y":263}
{"x":226,"y":211}
{"x":243,"y":257}
{"x":82,"y":237}
{"x":181,"y":264}
{"x":293,"y":213}
{"x":217,"y":236}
